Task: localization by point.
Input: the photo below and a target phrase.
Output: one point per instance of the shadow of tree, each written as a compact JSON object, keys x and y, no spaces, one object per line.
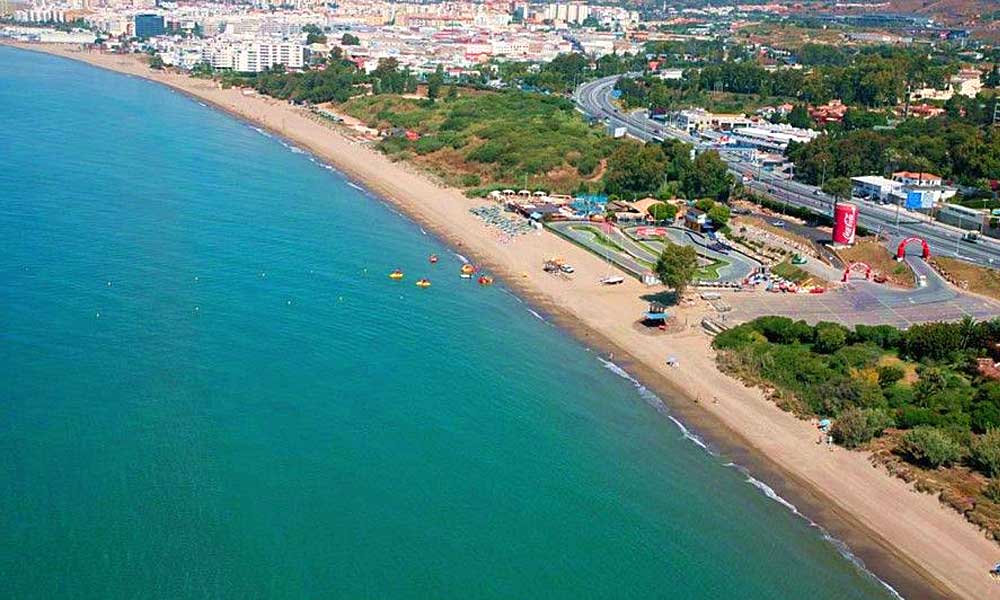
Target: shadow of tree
{"x":666,"y":297}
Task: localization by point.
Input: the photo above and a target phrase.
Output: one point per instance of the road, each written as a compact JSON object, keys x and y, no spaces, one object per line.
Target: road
{"x":594,"y":99}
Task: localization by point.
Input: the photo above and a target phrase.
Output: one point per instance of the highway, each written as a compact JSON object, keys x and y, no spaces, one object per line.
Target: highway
{"x":594,"y":99}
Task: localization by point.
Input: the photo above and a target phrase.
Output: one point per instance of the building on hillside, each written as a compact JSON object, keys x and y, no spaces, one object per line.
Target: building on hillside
{"x":926,"y":111}
{"x":148,"y":25}
{"x":831,"y":112}
{"x":917,"y":178}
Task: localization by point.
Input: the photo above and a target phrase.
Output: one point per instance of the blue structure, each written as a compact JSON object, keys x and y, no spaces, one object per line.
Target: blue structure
{"x":147,"y":26}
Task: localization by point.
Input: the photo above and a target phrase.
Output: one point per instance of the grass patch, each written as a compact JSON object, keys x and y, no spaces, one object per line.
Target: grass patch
{"x":980,"y":280}
{"x":787,"y":270}
{"x":881,"y":261}
{"x":711,"y":270}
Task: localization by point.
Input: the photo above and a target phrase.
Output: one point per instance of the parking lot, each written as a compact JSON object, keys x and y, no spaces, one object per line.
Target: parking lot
{"x":861,"y":303}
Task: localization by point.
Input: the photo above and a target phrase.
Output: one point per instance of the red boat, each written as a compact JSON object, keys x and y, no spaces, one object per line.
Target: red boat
{"x":434,"y":258}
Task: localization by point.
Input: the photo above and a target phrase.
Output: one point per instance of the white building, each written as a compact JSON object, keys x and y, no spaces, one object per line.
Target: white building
{"x":770,"y":136}
{"x":874,"y":187}
{"x":254,"y":56}
{"x":917,"y":179}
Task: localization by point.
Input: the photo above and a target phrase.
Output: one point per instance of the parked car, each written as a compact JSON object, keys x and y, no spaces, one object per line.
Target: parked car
{"x":566,"y":268}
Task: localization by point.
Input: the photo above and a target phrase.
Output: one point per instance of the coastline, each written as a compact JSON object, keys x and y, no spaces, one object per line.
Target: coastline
{"x":920,"y":547}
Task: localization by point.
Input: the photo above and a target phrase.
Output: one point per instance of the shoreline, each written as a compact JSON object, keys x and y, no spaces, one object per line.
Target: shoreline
{"x":921,"y":548}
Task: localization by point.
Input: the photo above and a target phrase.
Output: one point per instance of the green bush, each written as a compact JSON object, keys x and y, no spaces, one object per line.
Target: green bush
{"x":992,"y":490}
{"x":829,"y":337}
{"x":886,"y":337}
{"x":856,"y":426}
{"x":888,"y":375}
{"x":471,"y":180}
{"x":930,"y":446}
{"x":737,"y":337}
{"x":428,"y":144}
{"x":663,"y":211}
{"x":986,"y":453}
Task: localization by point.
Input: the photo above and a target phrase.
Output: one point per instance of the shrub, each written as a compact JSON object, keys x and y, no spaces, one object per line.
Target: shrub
{"x":986,"y":453}
{"x":471,"y":180}
{"x":992,"y":490}
{"x":663,"y":212}
{"x":782,"y":330}
{"x":856,"y":426}
{"x":986,"y":407}
{"x":930,"y":446}
{"x":885,"y":336}
{"x":829,"y":337}
{"x":428,"y":144}
{"x":888,"y":375}
{"x":737,"y":337}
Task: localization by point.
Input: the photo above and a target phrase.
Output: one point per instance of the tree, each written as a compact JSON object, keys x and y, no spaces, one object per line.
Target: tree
{"x":677,"y":266}
{"x":156,"y":62}
{"x":986,"y":453}
{"x":930,"y":446}
{"x":829,"y":337}
{"x":635,"y":170}
{"x":349,"y":40}
{"x":314,"y":34}
{"x":838,"y":187}
{"x":434,"y":82}
{"x":856,"y":426}
{"x":799,"y":117}
{"x":719,"y":214}
{"x":662,"y":211}
{"x":708,"y":177}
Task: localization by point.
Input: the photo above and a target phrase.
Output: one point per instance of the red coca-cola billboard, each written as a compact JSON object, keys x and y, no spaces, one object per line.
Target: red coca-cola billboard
{"x":845,"y":223}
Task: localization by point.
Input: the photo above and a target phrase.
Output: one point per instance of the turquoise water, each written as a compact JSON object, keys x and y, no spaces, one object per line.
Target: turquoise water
{"x":205,"y":394}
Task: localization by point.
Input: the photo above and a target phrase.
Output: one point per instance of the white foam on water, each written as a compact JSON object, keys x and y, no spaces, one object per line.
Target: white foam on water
{"x":690,"y":436}
{"x":262,"y":132}
{"x":423,"y":231}
{"x":644,"y":392}
{"x":537,"y":316}
{"x":355,"y":186}
{"x":203,"y":104}
{"x":461,"y":258}
{"x":767,"y":490}
{"x":838,"y":544}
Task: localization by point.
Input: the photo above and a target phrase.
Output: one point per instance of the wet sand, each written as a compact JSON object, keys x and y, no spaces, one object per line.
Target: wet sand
{"x":920,"y":547}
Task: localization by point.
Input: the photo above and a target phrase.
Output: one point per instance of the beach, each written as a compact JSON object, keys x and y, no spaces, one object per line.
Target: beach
{"x":909,"y":539}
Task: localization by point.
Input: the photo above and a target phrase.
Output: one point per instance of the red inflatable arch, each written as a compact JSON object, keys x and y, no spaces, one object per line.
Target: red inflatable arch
{"x":901,"y":250}
{"x":855,"y":266}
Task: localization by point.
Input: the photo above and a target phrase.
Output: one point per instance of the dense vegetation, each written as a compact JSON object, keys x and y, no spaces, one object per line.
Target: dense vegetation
{"x":874,"y":78}
{"x":513,"y":138}
{"x":923,"y":380}
{"x":336,"y":82}
{"x":960,"y":146}
{"x":666,"y":170}
{"x":562,"y":74}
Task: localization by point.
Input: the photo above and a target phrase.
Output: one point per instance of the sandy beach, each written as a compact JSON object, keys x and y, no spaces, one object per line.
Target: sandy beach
{"x":920,"y":547}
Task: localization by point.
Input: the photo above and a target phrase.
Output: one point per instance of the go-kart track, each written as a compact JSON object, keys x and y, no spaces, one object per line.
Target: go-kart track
{"x":636,"y":254}
{"x":859,"y":301}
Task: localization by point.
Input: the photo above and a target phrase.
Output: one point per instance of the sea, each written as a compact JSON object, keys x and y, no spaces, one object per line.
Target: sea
{"x":209,"y":388}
